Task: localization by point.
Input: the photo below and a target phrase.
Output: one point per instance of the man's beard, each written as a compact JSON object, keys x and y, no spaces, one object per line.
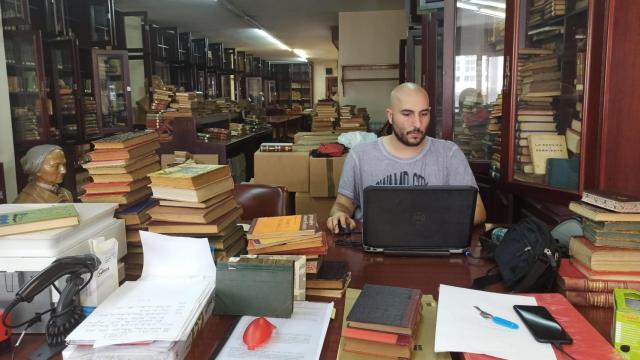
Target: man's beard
{"x":403,"y":138}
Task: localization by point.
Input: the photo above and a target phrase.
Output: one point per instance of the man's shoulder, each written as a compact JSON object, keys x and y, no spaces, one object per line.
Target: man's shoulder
{"x":365,"y":148}
{"x":442,"y":146}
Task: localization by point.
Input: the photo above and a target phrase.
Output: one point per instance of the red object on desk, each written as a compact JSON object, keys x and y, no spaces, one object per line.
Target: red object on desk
{"x":257,"y":333}
{"x":587,"y":341}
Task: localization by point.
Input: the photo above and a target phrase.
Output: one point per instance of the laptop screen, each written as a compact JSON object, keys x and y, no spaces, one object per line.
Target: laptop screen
{"x":438,"y":218}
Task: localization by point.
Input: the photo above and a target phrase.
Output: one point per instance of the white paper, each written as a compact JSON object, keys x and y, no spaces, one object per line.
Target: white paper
{"x":299,"y":338}
{"x":460,"y":328}
{"x":175,"y":256}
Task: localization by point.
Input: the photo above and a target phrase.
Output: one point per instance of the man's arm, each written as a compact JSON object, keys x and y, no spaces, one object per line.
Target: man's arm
{"x":341,"y":212}
{"x":480,"y":214}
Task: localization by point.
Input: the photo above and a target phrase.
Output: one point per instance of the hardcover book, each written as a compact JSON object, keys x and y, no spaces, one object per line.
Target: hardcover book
{"x":604,"y":258}
{"x":595,"y":213}
{"x":612,"y":201}
{"x":46,"y":218}
{"x":571,"y":279}
{"x":115,"y":187}
{"x":166,"y":227}
{"x":282,"y":226}
{"x":332,"y":275}
{"x":543,"y":147}
{"x":189,"y":175}
{"x":125,"y":153}
{"x":125,"y":140}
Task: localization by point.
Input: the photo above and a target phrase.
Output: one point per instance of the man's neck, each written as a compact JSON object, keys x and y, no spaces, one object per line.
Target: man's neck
{"x":400,"y":150}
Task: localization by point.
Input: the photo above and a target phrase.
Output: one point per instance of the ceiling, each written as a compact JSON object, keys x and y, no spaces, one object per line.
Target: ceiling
{"x":300,"y":24}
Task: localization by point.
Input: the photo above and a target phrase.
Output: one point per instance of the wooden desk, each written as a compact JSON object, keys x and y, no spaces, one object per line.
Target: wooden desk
{"x":425,"y":273}
{"x":280,"y":124}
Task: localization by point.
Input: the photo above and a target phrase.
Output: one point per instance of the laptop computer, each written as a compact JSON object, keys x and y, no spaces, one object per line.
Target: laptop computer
{"x":418,"y":220}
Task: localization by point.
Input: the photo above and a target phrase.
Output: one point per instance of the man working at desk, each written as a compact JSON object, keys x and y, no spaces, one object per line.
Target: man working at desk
{"x":407,"y":157}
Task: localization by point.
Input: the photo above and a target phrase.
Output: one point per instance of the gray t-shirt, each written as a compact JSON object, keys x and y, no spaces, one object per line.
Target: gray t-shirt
{"x":440,"y":163}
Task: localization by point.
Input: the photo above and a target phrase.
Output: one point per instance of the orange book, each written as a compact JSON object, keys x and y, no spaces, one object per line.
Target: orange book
{"x":305,"y":244}
{"x":124,"y":154}
{"x":282,"y":226}
{"x":118,"y":198}
{"x":123,"y":169}
{"x":605,"y":275}
{"x":377,"y":336}
{"x":115,"y":187}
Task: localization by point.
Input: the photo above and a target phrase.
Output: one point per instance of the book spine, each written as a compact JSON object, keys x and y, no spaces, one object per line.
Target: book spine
{"x":599,"y":286}
{"x":596,"y":299}
{"x":610,"y":204}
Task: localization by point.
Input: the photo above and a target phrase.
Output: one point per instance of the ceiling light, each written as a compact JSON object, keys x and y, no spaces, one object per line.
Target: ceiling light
{"x":271,"y":38}
{"x":499,"y":14}
{"x":489,"y":3}
{"x":467,"y":6}
{"x":300,"y":53}
{"x":302,"y":59}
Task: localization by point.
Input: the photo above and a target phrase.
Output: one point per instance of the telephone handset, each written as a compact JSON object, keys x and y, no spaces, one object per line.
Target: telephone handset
{"x":66,"y":315}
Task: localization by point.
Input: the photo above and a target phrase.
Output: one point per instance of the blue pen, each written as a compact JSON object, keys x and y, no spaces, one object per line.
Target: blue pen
{"x":498,"y":320}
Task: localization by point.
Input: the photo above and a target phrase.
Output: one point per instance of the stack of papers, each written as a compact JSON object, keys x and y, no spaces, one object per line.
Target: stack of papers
{"x":160,"y":310}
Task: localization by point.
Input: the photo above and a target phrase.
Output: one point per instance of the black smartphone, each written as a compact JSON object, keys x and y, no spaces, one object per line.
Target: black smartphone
{"x":542,"y":325}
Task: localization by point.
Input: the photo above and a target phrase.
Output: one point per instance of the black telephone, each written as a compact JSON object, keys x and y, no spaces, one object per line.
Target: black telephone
{"x":66,"y":315}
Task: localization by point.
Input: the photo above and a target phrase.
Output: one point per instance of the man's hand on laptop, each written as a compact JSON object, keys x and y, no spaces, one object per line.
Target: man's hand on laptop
{"x":340,"y":218}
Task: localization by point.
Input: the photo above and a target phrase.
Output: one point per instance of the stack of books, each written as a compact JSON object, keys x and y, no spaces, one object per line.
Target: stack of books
{"x":286,"y":235}
{"x":326,"y":112}
{"x":331,"y":280}
{"x":474,"y":127}
{"x":162,"y":97}
{"x":350,"y":121}
{"x":383,"y":322}
{"x":308,"y":141}
{"x":607,"y":256}
{"x":197,"y":200}
{"x":541,"y":10}
{"x":186,"y":102}
{"x":492,"y":141}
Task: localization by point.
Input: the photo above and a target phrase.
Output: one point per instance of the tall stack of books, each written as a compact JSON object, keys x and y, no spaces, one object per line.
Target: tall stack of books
{"x":545,"y":9}
{"x":325,"y":116}
{"x":492,"y":141}
{"x":162,"y":97}
{"x":383,"y":322}
{"x":197,"y":200}
{"x":538,"y":83}
{"x":607,"y":256}
{"x":186,"y":101}
{"x":350,"y":121}
{"x":288,"y":235}
{"x":119,"y":167}
{"x":90,"y":117}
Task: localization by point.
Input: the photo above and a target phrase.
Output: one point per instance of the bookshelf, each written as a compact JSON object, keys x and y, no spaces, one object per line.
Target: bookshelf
{"x":293,"y":84}
{"x":112,"y":90}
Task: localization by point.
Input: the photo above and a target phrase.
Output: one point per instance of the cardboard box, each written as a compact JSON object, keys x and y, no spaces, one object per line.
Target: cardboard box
{"x":324,"y":176}
{"x":288,"y":169}
{"x":626,"y":323}
{"x":307,"y":204}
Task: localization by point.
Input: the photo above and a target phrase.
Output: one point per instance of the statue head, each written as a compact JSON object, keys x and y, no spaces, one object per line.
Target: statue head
{"x":45,"y":163}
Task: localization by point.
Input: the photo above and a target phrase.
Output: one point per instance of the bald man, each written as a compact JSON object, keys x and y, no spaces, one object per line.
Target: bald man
{"x":406,"y":157}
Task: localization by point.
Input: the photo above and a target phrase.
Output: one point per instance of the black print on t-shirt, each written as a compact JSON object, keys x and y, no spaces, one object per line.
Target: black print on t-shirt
{"x":403,"y":178}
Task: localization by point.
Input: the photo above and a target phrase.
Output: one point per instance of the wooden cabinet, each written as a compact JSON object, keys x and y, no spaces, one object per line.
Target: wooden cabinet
{"x":293,"y":84}
{"x":112,"y":90}
{"x":92,"y":22}
{"x":15,"y":12}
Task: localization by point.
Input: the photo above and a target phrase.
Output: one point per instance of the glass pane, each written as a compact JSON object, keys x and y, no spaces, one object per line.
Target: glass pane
{"x":22,"y":78}
{"x":100,"y":23}
{"x":133,"y":32}
{"x":478,"y":80}
{"x":550,"y":74}
{"x":12,"y":9}
{"x":112,"y":92}
{"x":66,"y":96}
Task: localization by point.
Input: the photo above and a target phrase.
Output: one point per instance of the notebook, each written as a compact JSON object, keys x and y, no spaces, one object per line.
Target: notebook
{"x":418,"y":220}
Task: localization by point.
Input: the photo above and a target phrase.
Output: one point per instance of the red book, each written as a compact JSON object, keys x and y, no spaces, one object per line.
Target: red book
{"x":571,"y":279}
{"x":377,"y":336}
{"x":587,"y":341}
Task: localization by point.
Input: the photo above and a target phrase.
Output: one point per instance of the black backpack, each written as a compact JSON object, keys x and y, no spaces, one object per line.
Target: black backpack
{"x":527,"y":259}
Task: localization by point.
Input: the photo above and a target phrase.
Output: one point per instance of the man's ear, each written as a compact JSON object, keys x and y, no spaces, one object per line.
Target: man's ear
{"x":389,"y":115}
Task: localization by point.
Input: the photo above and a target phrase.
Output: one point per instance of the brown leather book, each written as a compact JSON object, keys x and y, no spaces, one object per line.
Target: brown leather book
{"x":571,"y":279}
{"x":332,"y":275}
{"x":129,"y":168}
{"x":583,"y":298}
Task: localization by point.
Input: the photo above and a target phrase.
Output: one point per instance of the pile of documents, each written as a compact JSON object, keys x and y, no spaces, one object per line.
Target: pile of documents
{"x":158,"y":315}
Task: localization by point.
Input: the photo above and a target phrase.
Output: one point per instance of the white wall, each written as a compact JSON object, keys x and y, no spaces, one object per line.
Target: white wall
{"x":7,"y":156}
{"x":319,"y":76}
{"x":368,"y":38}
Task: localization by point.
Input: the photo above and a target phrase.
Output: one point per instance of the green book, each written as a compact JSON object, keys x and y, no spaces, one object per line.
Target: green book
{"x":255,"y":287}
{"x":40,"y":219}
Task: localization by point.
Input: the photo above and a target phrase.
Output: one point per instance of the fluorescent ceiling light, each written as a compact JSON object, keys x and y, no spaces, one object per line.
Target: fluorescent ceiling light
{"x":467,"y":6}
{"x":499,"y":14}
{"x":301,"y":53}
{"x":302,"y":59}
{"x":489,"y":3}
{"x":271,"y":38}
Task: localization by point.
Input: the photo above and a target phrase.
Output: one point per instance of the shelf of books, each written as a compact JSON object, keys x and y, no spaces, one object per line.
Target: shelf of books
{"x":548,"y":101}
{"x":112,"y":91}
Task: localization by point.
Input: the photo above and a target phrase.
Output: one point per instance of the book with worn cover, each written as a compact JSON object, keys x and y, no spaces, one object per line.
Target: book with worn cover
{"x":299,"y":272}
{"x":197,"y":205}
{"x":196,"y":216}
{"x":125,"y":140}
{"x":133,"y":166}
{"x":115,"y":187}
{"x":282,"y":226}
{"x":386,"y":308}
{"x":133,"y":152}
{"x":167,"y":227}
{"x":605,"y":275}
{"x":604,"y":258}
{"x":132,"y":176}
{"x":46,"y":218}
{"x":189,"y":175}
{"x":221,"y":242}
{"x":332,"y":275}
{"x":612,"y":201}
{"x":201,"y":194}
{"x":543,"y":147}
{"x":254,"y":287}
{"x":595,"y":213}
{"x":126,"y":198}
{"x":571,"y":279}
{"x":589,"y":298}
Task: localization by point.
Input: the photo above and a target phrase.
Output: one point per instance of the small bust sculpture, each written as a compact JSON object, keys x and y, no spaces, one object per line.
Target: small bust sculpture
{"x":46,"y":166}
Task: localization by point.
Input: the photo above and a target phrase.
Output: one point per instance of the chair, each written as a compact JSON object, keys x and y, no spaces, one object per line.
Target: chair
{"x":258,"y":200}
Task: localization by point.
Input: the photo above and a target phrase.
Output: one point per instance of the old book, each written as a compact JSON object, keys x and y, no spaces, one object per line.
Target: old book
{"x":197,"y":205}
{"x":45,"y":218}
{"x":583,"y":298}
{"x":235,"y":249}
{"x":189,"y":175}
{"x":319,"y":247}
{"x":604,"y":258}
{"x":115,"y":187}
{"x":129,"y":168}
{"x":543,"y":147}
{"x":124,"y":154}
{"x":386,"y":308}
{"x":611,"y":225}
{"x":166,"y":227}
{"x":573,"y":141}
{"x":576,"y":125}
{"x":537,"y":126}
{"x":605,"y":275}
{"x":225,"y":241}
{"x":137,"y":214}
{"x":314,"y":240}
{"x":282,"y":240}
{"x":118,"y":198}
{"x":377,"y":349}
{"x":570,"y":278}
{"x":282,"y":226}
{"x":613,"y":201}
{"x":125,"y":140}
{"x":200,"y":194}
{"x":255,"y":287}
{"x":332,"y":293}
{"x":621,"y":239}
{"x":194,"y":216}
{"x":377,"y":336}
{"x":115,"y":163}
{"x":132,"y":176}
{"x":332,"y":275}
{"x":535,"y":118}
{"x":299,"y":272}
{"x":596,"y":213}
